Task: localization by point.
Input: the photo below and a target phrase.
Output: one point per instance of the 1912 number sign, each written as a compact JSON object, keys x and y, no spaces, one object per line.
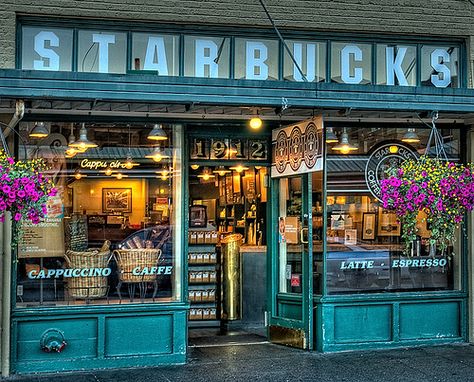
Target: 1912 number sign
{"x":229,"y":149}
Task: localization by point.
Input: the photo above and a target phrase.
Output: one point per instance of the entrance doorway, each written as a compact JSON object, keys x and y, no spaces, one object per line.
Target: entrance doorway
{"x":228,"y":195}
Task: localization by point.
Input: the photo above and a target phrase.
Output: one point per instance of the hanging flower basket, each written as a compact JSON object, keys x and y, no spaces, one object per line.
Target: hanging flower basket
{"x":24,"y":191}
{"x":443,"y":190}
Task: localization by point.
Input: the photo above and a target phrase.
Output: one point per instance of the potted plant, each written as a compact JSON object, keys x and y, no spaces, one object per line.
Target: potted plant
{"x":443,"y":190}
{"x":24,"y":191}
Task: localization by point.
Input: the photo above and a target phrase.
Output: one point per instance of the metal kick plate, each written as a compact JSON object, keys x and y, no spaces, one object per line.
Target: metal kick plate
{"x":287,"y":336}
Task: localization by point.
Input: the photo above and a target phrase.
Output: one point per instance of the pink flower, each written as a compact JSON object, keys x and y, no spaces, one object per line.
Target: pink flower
{"x":10,"y":160}
{"x":17,"y":216}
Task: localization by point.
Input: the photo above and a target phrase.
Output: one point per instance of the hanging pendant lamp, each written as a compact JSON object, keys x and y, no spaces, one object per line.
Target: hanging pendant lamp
{"x":344,"y":146}
{"x":39,"y":131}
{"x":157,"y":133}
{"x":156,"y":155}
{"x":221,"y":170}
{"x":411,"y":136}
{"x":330,"y":136}
{"x":83,"y":142}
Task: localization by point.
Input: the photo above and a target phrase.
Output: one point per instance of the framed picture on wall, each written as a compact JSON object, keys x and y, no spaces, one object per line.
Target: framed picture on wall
{"x":368,"y":226}
{"x":387,"y":223}
{"x":116,"y":200}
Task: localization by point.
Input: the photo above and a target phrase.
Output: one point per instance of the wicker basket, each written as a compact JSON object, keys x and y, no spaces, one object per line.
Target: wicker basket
{"x":87,"y":287}
{"x":130,"y":259}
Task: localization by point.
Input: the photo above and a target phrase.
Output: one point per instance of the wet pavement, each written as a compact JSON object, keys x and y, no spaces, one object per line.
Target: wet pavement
{"x":261,"y":361}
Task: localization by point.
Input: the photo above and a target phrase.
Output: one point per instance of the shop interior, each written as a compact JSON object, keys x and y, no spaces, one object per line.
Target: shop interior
{"x":111,"y":232}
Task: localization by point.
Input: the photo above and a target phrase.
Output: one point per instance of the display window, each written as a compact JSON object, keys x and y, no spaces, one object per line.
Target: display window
{"x":365,"y":252}
{"x":113,"y":232}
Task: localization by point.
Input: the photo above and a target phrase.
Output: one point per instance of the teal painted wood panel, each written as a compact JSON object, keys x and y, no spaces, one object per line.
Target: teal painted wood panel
{"x":430,"y":320}
{"x":144,"y":335}
{"x":289,"y":310}
{"x":80,"y":335}
{"x":366,"y":323}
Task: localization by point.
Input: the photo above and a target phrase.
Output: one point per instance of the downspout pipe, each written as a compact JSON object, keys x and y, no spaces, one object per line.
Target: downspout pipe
{"x":6,"y":291}
{"x":17,"y":116}
{"x":6,"y":248}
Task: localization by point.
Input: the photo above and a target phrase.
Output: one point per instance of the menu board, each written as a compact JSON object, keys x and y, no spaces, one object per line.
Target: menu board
{"x":76,"y":233}
{"x":45,"y":239}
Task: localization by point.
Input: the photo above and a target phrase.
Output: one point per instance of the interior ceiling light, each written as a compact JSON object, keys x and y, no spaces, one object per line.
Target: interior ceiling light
{"x":129,"y":163}
{"x":71,"y":151}
{"x":221,"y":170}
{"x":39,"y":131}
{"x":119,"y":175}
{"x":78,"y":175}
{"x":255,"y":122}
{"x":239,"y":168}
{"x":194,"y":166}
{"x":157,"y":133}
{"x":164,"y":171}
{"x":156,"y":155}
{"x":344,"y":146}
{"x":83,"y":142}
{"x":411,"y":136}
{"x":206,"y":174}
{"x":330,"y":136}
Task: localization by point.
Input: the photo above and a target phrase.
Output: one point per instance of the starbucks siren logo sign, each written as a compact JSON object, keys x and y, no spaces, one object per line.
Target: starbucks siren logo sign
{"x":385,"y":156}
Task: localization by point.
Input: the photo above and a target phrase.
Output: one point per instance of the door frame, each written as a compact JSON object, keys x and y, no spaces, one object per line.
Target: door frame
{"x":284,"y":330}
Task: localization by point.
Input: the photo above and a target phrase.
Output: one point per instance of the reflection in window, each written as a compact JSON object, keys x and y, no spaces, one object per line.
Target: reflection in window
{"x":396,"y":65}
{"x":440,"y":66}
{"x":351,"y":63}
{"x":113,"y":231}
{"x":364,"y":246}
{"x":256,"y":59}
{"x":159,"y":53}
{"x":46,"y":49}
{"x":207,"y":57}
{"x":102,"y":52}
{"x":311,"y":58}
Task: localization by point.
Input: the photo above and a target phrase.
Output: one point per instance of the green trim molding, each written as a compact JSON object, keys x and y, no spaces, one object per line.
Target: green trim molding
{"x":147,"y":88}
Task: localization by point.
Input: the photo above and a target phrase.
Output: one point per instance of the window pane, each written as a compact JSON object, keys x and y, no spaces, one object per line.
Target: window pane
{"x":401,"y":62}
{"x":318,"y":234}
{"x":256,"y":59}
{"x":206,"y":56}
{"x":156,"y":52}
{"x":113,"y":233}
{"x":46,"y":49}
{"x":365,"y":250}
{"x":351,"y":63}
{"x":440,"y":66}
{"x":311,"y":58}
{"x":102,"y":52}
{"x":290,"y":247}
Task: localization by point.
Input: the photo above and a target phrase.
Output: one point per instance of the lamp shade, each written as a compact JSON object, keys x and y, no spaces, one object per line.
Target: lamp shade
{"x":330,"y":136}
{"x":221,"y":170}
{"x":156,"y":154}
{"x":157,"y":133}
{"x":344,"y":145}
{"x":411,"y":136}
{"x":39,"y":131}
{"x":83,"y":142}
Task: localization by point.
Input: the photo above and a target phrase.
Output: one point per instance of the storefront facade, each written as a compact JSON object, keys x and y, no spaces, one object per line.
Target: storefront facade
{"x":155,"y":99}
